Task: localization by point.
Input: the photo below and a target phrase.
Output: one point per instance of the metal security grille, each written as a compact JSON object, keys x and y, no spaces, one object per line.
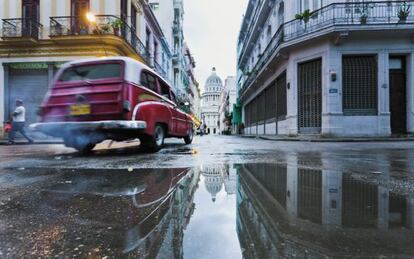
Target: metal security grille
{"x":359,"y":203}
{"x":281,"y":97}
{"x":273,"y":178}
{"x":270,"y":94}
{"x":310,"y":195}
{"x":248,"y":115}
{"x":261,"y":107}
{"x":310,"y":96}
{"x":359,"y":85}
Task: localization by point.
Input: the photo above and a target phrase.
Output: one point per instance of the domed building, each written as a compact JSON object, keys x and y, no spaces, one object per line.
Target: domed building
{"x":213,"y":180}
{"x":211,"y":102}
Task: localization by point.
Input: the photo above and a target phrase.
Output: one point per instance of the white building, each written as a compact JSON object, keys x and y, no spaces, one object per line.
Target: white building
{"x":211,"y":101}
{"x":170,"y":14}
{"x":340,"y":69}
{"x":228,"y":98}
{"x":217,"y":176}
{"x":35,"y":43}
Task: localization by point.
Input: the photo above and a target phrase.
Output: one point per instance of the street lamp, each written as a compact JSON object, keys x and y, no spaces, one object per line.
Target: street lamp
{"x":91,"y":17}
{"x":92,"y":20}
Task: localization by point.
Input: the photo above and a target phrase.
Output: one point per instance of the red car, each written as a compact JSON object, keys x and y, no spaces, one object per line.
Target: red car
{"x":115,"y":98}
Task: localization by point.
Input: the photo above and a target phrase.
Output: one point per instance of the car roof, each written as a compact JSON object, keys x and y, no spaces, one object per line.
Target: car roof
{"x":130,"y":62}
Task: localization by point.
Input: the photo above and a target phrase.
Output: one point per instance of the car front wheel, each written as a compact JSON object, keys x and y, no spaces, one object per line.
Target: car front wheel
{"x":189,"y":138}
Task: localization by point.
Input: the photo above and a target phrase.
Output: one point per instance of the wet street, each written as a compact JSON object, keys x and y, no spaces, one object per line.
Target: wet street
{"x":221,"y":197}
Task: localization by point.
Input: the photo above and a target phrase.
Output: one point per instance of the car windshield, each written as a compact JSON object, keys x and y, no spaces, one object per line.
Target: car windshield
{"x":91,"y":72}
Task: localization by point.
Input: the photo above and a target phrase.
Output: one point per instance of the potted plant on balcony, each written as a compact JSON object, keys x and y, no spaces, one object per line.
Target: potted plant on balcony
{"x":117,"y":25}
{"x":305,"y":16}
{"x":83,"y":30}
{"x":403,"y":12}
{"x":363,"y":18}
{"x":106,"y":28}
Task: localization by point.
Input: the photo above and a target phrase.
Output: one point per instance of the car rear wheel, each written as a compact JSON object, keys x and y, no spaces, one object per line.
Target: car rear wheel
{"x":189,"y":138}
{"x":155,"y":142}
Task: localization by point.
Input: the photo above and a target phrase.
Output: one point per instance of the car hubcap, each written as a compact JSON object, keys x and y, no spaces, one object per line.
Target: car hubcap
{"x":159,"y":136}
{"x":190,"y":134}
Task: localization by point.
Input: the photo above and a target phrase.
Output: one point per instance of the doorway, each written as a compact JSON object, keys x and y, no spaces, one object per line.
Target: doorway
{"x":398,"y":96}
{"x":79,"y":9}
{"x":30,"y":15}
{"x":310,"y":97}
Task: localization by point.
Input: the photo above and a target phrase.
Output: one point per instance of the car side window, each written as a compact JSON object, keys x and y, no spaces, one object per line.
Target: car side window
{"x":148,"y":81}
{"x":173,"y":98}
{"x":165,"y":90}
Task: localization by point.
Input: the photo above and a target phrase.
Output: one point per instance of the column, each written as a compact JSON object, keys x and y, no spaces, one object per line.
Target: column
{"x":331,"y":198}
{"x":383,"y":208}
{"x":3,"y":97}
{"x":292,"y":188}
{"x":410,"y":93}
{"x":384,"y":125}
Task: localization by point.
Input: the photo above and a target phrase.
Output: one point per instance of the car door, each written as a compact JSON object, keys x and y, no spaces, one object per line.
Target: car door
{"x":165,"y":92}
{"x":181,"y":118}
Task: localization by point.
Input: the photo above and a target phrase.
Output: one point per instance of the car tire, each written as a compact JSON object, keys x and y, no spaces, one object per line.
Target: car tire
{"x":189,"y":138}
{"x":156,"y":142}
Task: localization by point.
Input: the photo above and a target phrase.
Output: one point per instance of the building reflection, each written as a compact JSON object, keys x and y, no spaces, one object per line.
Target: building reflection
{"x":142,"y":215}
{"x":293,"y":210}
{"x":218,"y":175}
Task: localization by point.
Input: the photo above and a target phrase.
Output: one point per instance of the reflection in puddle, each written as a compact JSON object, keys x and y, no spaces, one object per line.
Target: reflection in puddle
{"x":295,"y":212}
{"x":286,"y":210}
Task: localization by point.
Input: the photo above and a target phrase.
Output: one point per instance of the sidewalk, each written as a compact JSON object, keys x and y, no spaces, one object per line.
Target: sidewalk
{"x":37,"y":142}
{"x":315,"y":138}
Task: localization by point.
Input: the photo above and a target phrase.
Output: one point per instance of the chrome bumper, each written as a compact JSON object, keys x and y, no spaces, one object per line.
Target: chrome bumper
{"x":53,"y":128}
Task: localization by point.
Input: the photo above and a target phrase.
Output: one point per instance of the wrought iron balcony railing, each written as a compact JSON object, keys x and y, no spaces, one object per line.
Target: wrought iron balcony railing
{"x":21,"y":27}
{"x":355,"y":16}
{"x":104,"y":25}
{"x":160,"y":71}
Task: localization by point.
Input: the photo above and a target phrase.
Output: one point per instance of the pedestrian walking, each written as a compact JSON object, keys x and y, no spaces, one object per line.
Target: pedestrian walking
{"x":202,"y":128}
{"x":19,"y":120}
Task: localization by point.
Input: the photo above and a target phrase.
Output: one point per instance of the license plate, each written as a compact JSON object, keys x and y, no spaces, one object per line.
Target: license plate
{"x":80,"y":109}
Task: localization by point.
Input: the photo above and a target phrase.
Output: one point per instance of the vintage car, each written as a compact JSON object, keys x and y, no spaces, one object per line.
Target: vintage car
{"x":114,"y":98}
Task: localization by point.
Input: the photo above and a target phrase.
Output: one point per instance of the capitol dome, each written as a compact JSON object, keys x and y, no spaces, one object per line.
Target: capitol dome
{"x":214,"y":81}
{"x":213,"y":180}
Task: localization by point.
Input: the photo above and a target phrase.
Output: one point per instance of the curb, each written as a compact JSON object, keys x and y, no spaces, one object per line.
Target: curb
{"x":339,"y":140}
{"x":18,"y":143}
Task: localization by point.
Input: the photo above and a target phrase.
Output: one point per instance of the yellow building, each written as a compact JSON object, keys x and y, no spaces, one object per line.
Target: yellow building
{"x":37,"y":36}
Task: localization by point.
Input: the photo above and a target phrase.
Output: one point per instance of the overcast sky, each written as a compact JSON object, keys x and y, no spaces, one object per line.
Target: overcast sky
{"x":211,"y":28}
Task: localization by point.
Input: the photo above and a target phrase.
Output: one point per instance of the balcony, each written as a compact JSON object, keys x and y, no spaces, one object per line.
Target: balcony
{"x":67,"y":27}
{"x":177,"y":28}
{"x":378,"y":16}
{"x":21,"y":28}
{"x":158,"y":68}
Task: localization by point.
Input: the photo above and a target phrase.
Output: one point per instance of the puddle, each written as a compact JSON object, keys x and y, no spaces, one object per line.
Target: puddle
{"x":259,"y":210}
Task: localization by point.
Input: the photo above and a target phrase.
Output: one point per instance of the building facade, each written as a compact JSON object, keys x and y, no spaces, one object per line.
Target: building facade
{"x":170,"y":14}
{"x":38,"y":36}
{"x":228,"y":98}
{"x":211,"y":102}
{"x":327,"y":67}
{"x":284,"y":203}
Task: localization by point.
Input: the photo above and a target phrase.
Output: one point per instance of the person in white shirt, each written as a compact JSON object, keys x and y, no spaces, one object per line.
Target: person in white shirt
{"x":19,"y":120}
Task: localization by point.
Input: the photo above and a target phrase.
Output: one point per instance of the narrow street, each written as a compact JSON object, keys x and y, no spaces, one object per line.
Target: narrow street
{"x":221,"y":197}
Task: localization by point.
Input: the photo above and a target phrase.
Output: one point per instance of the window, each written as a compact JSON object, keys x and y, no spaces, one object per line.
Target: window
{"x":165,"y":90}
{"x":359,"y":85}
{"x":155,"y":6}
{"x":149,"y":81}
{"x":173,"y":98}
{"x":91,"y":72}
